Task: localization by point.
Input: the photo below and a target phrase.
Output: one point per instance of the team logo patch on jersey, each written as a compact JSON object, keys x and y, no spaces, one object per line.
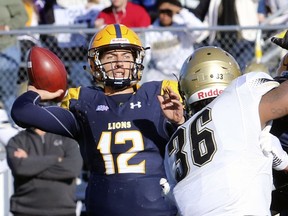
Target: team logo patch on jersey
{"x":138,"y":104}
{"x":57,"y":142}
{"x":102,"y":108}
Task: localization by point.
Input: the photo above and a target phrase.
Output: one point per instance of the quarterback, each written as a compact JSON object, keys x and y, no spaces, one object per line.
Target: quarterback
{"x":219,"y":162}
{"x":119,"y":126}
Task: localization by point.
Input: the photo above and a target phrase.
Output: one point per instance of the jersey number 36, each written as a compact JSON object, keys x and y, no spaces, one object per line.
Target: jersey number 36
{"x":195,"y":141}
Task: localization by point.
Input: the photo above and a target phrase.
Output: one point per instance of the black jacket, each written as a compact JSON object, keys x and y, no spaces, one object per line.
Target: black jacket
{"x":42,"y":184}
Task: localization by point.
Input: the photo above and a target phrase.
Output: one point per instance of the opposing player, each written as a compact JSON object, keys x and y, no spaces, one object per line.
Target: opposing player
{"x":220,"y":160}
{"x":119,"y":126}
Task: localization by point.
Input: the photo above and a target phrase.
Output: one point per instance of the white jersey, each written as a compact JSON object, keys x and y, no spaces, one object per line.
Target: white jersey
{"x":215,"y":159}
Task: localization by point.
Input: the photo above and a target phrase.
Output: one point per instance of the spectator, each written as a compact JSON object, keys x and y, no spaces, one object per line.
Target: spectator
{"x":150,"y":6}
{"x":12,"y":16}
{"x":225,"y":160}
{"x":28,"y":40}
{"x":32,"y":13}
{"x":123,"y":12}
{"x":44,"y":167}
{"x":6,"y":132}
{"x":268,"y":8}
{"x":78,"y":44}
{"x":201,"y":10}
{"x":118,"y":125}
{"x":231,"y":12}
{"x":45,"y":10}
{"x":90,"y":13}
{"x":6,"y":187}
{"x":190,"y":4}
{"x":169,"y":48}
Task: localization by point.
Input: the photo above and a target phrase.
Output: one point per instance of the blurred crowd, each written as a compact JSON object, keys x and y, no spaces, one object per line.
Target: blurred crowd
{"x":168,"y":49}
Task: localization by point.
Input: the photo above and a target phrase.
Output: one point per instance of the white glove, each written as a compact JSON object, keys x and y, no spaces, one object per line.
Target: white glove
{"x":165,"y":186}
{"x":271,"y":147}
{"x":280,"y":157}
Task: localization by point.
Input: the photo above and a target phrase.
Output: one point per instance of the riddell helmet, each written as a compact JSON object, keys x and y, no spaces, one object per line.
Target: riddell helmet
{"x":206,"y":73}
{"x":111,"y":37}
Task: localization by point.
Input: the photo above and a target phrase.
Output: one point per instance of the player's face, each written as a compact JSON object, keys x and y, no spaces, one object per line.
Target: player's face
{"x":118,"y":63}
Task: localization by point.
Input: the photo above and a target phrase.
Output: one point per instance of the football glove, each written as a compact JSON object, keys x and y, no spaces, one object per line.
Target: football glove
{"x":271,"y":147}
{"x":281,"y":41}
{"x":165,"y":186}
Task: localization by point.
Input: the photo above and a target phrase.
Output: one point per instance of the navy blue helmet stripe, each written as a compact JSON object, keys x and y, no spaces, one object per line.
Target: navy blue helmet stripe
{"x":118,"y":31}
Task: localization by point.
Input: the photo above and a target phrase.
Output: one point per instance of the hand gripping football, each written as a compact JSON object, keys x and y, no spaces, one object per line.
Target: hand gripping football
{"x":46,"y":71}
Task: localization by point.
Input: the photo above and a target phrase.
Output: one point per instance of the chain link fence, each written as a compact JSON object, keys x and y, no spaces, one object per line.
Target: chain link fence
{"x":70,"y":45}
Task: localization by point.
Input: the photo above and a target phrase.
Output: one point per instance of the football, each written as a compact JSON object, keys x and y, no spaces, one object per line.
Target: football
{"x":46,"y":71}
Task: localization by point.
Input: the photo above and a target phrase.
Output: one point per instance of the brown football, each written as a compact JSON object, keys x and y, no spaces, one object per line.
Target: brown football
{"x":46,"y":71}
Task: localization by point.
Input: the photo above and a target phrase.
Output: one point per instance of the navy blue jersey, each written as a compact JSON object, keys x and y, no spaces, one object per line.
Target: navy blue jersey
{"x":122,"y":139}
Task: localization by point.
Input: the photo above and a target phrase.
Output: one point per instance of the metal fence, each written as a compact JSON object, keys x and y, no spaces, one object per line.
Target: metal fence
{"x":70,"y":44}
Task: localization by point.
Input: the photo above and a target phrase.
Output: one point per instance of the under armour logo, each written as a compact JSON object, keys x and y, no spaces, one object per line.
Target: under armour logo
{"x":138,"y":104}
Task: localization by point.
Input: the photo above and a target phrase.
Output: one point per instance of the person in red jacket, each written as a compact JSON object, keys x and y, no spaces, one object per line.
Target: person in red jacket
{"x":123,"y":12}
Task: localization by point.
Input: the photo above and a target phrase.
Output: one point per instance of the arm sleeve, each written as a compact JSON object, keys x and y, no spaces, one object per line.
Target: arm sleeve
{"x":27,"y":113}
{"x":69,"y":167}
{"x":18,"y":14}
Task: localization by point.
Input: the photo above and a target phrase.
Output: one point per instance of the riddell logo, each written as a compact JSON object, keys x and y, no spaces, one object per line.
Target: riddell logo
{"x":119,"y":40}
{"x":210,"y":93}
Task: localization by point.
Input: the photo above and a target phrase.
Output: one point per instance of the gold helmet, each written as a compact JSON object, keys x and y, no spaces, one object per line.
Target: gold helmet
{"x":256,"y":67}
{"x":115,"y":36}
{"x":206,"y":73}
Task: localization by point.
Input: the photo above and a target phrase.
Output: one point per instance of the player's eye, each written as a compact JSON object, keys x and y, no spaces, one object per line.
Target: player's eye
{"x":110,"y":57}
{"x":127,"y":56}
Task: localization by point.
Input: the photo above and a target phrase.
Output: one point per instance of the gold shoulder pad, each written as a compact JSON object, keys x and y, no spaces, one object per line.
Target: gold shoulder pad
{"x":73,"y":93}
{"x":173,"y":84}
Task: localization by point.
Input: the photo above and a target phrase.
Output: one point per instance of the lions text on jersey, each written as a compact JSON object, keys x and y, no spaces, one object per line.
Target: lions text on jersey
{"x":122,"y":139}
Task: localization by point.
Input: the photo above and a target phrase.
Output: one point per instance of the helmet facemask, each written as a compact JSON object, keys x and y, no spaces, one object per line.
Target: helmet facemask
{"x":107,"y":77}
